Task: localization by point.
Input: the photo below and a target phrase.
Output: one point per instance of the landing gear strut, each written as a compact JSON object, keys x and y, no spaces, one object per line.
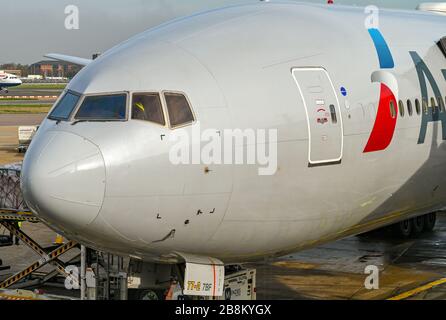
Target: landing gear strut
{"x":4,"y":90}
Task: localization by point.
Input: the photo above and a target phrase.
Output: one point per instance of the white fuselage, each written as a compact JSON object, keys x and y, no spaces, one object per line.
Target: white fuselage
{"x":111,"y":185}
{"x":8,"y":80}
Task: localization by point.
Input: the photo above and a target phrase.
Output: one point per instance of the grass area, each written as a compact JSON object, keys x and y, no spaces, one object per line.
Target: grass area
{"x":19,"y":99}
{"x":24,"y":109}
{"x":41,"y":86}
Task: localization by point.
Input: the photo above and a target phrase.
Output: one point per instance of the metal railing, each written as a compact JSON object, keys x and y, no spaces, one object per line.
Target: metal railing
{"x":10,"y":193}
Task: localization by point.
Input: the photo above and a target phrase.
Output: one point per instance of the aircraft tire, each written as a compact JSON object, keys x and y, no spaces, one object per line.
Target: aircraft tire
{"x":429,"y":221}
{"x":417,"y":225}
{"x":403,"y":228}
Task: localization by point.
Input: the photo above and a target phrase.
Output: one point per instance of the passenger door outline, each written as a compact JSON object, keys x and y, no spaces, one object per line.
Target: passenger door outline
{"x":312,"y":132}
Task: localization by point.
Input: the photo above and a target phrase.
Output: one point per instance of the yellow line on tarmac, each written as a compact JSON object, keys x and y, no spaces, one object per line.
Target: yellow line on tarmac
{"x":418,"y":290}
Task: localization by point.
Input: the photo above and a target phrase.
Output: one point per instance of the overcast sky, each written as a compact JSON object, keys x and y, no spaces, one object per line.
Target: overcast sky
{"x":32,"y":28}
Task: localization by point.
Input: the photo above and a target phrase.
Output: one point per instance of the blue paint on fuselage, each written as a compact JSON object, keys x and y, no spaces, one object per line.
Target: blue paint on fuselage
{"x":9,"y":85}
{"x":384,"y":54}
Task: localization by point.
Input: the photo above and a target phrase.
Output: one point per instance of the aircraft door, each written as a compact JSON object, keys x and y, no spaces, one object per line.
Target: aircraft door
{"x":324,"y":117}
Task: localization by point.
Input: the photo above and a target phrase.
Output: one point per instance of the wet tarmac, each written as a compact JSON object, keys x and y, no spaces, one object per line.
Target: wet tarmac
{"x":337,"y":270}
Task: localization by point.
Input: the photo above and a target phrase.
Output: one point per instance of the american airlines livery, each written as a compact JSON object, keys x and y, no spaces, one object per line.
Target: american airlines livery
{"x":345,"y":112}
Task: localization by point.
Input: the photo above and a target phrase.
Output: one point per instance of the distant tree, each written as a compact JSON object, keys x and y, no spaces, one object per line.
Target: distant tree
{"x":25,"y":69}
{"x":71,"y":70}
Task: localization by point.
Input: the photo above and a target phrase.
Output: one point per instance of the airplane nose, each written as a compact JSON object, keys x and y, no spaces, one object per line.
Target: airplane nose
{"x":63,"y":179}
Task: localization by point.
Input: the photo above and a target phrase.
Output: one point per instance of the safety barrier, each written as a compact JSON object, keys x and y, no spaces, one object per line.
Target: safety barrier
{"x":12,"y":210}
{"x":10,"y":192}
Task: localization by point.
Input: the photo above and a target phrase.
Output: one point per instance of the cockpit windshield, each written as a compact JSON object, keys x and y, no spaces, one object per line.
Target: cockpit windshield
{"x":65,"y":106}
{"x":103,"y":108}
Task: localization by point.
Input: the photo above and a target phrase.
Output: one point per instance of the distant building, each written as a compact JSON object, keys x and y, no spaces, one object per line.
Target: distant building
{"x":50,"y":68}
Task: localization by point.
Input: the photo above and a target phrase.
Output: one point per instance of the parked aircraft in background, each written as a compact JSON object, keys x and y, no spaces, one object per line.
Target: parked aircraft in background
{"x":7,"y":81}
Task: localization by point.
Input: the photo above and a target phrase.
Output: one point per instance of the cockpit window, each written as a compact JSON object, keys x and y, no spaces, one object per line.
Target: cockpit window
{"x":148,"y":107}
{"x":107,"y":107}
{"x":65,"y":106}
{"x":179,"y":109}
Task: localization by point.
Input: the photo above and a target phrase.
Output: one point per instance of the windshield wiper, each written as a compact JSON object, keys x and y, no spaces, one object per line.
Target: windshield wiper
{"x":79,"y":121}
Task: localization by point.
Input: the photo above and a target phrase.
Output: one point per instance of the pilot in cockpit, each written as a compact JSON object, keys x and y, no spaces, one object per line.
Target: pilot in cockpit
{"x":147,"y":107}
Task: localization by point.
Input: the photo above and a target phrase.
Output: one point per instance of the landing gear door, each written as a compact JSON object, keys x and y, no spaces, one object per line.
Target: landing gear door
{"x":323,"y":113}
